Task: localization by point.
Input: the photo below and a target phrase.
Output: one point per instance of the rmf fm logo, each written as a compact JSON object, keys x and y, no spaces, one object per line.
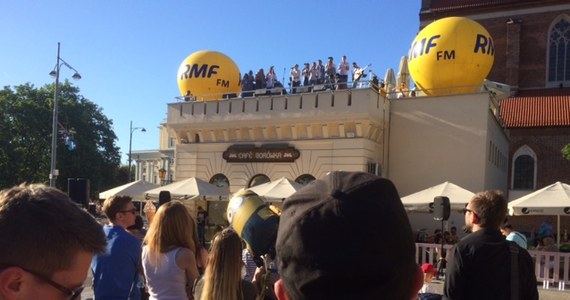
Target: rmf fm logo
{"x":419,"y":48}
{"x":203,"y":71}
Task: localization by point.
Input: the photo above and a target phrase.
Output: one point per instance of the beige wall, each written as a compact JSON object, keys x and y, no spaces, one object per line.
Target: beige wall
{"x":317,"y":157}
{"x":445,"y":138}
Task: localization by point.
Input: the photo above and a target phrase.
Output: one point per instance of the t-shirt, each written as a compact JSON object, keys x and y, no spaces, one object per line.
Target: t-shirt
{"x":518,"y":238}
{"x":115,"y":272}
{"x":202,"y":215}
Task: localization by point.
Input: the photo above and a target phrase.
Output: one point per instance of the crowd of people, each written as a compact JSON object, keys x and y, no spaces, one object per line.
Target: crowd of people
{"x":330,"y":244}
{"x":325,"y":76}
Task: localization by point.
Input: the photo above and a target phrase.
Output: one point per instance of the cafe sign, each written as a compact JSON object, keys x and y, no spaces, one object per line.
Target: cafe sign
{"x":288,"y":154}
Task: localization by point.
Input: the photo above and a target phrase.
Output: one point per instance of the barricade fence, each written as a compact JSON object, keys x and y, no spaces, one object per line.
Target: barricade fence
{"x":551,"y":268}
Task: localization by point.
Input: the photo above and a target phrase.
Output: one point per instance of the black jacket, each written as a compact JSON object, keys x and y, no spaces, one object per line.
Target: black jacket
{"x":480,"y":268}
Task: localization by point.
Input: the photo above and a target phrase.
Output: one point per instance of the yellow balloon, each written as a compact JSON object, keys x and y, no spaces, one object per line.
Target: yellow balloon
{"x":450,"y":56}
{"x":208,"y":75}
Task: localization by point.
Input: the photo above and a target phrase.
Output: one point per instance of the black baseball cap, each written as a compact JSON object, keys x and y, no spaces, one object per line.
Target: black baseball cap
{"x":345,"y":236}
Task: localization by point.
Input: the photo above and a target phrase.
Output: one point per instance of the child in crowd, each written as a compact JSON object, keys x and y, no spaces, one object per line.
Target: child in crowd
{"x":429,"y":273}
{"x":427,"y":292}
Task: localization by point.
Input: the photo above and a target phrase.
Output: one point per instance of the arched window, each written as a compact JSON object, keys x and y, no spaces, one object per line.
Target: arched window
{"x":220,"y":180}
{"x":559,"y":52}
{"x":524,"y":169}
{"x":304,"y":179}
{"x":258,"y":179}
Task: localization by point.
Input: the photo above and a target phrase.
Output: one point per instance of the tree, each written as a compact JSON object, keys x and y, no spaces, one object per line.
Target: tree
{"x":25,"y":138}
{"x":566,"y":151}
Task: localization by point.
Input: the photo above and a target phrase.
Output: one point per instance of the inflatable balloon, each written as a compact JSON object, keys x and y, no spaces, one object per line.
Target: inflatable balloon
{"x":208,"y":75}
{"x":450,"y":56}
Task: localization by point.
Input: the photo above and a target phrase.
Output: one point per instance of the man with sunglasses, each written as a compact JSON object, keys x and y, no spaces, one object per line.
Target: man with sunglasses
{"x":483,"y":265}
{"x":47,"y":243}
{"x":115,"y":272}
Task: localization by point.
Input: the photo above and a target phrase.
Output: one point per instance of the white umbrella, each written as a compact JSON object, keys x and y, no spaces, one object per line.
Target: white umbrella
{"x":389,"y":81}
{"x":403,"y":73}
{"x":277,"y":189}
{"x":551,"y":200}
{"x":423,"y":200}
{"x":135,"y":189}
{"x":189,"y":188}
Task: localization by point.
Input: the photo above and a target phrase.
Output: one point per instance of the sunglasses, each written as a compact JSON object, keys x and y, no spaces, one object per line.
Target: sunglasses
{"x":132,"y":211}
{"x":71,"y":294}
{"x":465,"y":210}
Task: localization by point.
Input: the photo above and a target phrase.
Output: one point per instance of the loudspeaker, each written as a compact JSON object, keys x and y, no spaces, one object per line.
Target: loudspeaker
{"x":441,"y":208}
{"x":78,"y":190}
{"x":163,"y":197}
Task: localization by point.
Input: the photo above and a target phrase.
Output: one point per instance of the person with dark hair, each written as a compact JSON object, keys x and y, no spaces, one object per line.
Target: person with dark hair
{"x":482,"y":264}
{"x":514,"y":236}
{"x":331,"y":241}
{"x":202,"y":220}
{"x":116,"y":272}
{"x":47,"y":243}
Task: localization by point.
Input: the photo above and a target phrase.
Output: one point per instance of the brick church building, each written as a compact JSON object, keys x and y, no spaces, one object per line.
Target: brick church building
{"x":532,"y":55}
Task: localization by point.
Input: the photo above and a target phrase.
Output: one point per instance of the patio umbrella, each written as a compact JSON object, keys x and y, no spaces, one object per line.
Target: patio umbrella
{"x":135,"y":190}
{"x":390,"y":81}
{"x":277,"y":189}
{"x":422,"y":201}
{"x":403,"y":73}
{"x":189,"y":188}
{"x":551,"y":200}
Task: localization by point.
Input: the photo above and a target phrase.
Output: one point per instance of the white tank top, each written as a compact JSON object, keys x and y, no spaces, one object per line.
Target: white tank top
{"x":167,"y":281}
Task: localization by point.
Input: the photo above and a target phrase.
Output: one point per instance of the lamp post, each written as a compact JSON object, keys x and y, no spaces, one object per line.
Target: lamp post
{"x":55,"y":73}
{"x":131,"y":143}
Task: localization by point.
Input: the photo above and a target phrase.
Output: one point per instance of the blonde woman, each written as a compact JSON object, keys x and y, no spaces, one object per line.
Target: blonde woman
{"x":222,"y":279}
{"x":170,"y":253}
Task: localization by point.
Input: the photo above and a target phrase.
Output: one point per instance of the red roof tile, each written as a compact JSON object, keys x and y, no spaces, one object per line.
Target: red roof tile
{"x":537,"y":108}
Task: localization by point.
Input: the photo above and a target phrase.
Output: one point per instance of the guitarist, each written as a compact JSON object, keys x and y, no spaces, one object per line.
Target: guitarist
{"x":358,"y":73}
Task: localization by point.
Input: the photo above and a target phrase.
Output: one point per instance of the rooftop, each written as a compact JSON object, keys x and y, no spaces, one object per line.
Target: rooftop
{"x":537,"y":108}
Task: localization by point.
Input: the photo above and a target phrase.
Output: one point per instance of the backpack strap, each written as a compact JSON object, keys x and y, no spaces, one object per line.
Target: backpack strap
{"x":514,"y":249}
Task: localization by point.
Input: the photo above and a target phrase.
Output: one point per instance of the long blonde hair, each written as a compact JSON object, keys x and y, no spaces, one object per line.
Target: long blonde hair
{"x":172,"y":227}
{"x":222,"y":278}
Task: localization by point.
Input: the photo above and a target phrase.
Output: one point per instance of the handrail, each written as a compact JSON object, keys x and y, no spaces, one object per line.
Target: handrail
{"x":545,"y":263}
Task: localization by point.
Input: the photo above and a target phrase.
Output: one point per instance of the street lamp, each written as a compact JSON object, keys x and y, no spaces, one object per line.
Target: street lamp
{"x":55,"y":73}
{"x":131,"y":143}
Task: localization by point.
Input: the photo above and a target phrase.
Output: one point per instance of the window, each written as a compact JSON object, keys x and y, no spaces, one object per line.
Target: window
{"x":524,"y":169}
{"x":258,"y":179}
{"x":559,"y":52}
{"x":304,"y":179}
{"x":220,"y":180}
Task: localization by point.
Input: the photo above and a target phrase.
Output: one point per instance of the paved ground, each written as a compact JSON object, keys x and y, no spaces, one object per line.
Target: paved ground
{"x":544,"y":294}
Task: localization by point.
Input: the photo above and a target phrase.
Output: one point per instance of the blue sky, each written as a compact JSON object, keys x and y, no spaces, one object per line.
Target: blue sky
{"x":128,"y":52}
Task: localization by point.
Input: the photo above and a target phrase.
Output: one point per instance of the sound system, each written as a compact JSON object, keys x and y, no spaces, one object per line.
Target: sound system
{"x":441,"y":208}
{"x":78,"y":190}
{"x":163,"y":197}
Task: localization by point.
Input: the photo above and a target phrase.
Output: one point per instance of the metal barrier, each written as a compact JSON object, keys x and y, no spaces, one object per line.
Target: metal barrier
{"x":550,"y":268}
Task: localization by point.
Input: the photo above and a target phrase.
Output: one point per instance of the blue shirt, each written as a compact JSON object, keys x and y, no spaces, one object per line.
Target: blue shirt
{"x":115,"y":272}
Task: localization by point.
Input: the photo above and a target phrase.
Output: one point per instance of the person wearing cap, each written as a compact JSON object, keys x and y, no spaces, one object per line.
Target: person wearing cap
{"x":514,"y":236}
{"x":482,"y":263}
{"x":429,"y":273}
{"x":331,"y":241}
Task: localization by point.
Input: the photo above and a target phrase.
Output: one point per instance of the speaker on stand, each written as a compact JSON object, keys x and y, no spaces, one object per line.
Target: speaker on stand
{"x":78,"y":190}
{"x":441,"y":212}
{"x":163,"y":197}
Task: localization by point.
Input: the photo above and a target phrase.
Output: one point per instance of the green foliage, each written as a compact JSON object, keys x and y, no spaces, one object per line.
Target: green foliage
{"x":25,"y":138}
{"x":566,"y":151}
